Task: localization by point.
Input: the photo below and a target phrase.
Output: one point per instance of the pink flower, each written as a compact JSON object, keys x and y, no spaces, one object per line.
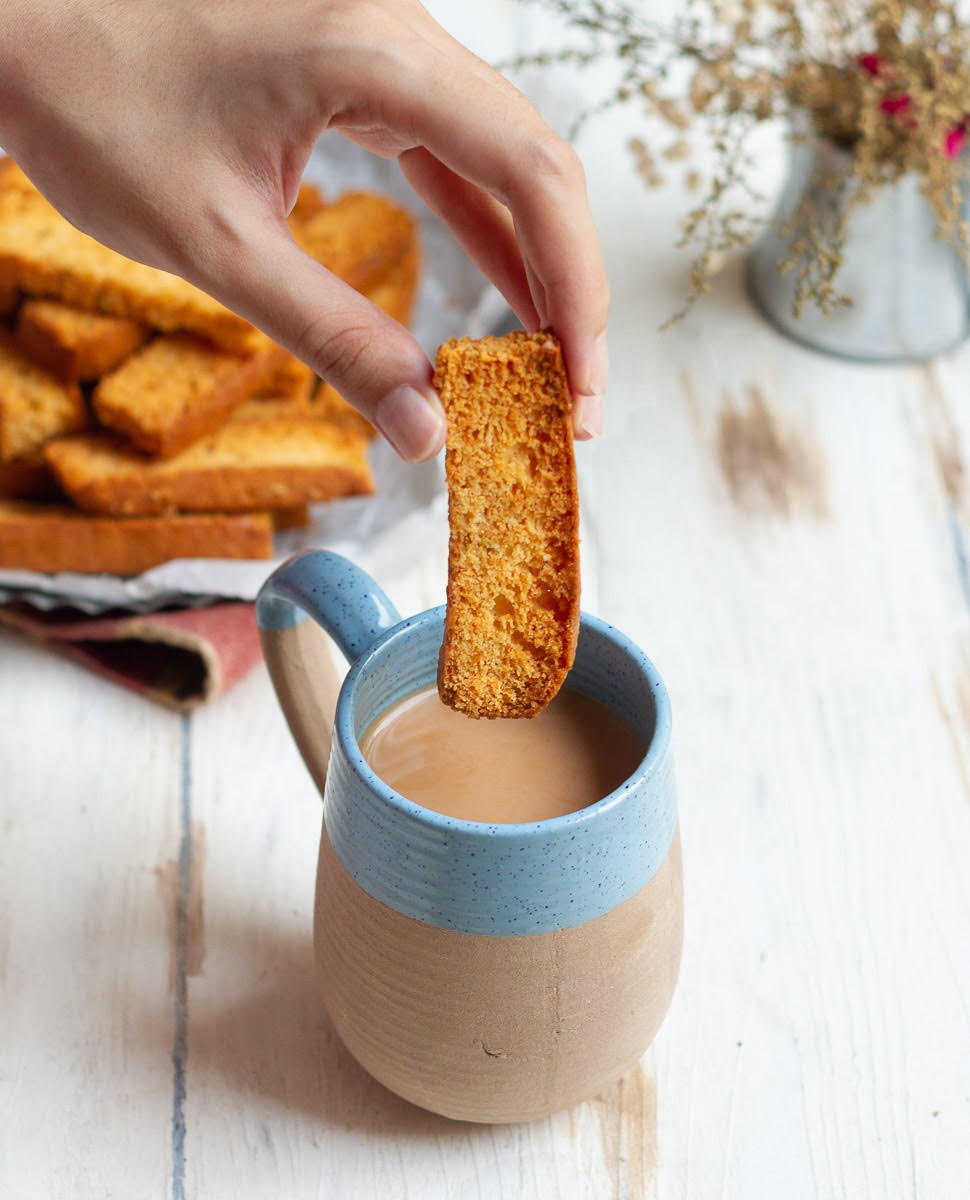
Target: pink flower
{"x":870,"y":63}
{"x":953,"y":142}
{"x":891,"y":105}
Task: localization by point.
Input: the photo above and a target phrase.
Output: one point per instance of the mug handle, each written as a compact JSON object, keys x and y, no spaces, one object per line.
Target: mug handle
{"x":344,"y":602}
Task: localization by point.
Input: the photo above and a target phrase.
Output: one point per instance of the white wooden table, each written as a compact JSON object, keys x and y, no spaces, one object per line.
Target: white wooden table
{"x":788,"y":537}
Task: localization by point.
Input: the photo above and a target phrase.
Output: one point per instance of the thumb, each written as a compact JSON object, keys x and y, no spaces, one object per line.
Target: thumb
{"x":372,"y":361}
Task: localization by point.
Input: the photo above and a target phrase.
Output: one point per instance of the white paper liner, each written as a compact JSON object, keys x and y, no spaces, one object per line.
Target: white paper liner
{"x":382,"y":533}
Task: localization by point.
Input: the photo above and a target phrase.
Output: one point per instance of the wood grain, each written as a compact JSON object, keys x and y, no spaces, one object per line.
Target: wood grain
{"x":768,"y":469}
{"x":817,"y":1046}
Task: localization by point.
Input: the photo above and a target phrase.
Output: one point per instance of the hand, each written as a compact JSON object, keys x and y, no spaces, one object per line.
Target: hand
{"x":177,"y":131}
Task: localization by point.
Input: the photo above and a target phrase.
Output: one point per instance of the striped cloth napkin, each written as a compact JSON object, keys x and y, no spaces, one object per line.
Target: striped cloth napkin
{"x":180,"y":658}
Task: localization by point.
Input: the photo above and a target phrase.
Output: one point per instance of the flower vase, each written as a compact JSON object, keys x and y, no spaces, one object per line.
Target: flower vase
{"x":908,"y":288}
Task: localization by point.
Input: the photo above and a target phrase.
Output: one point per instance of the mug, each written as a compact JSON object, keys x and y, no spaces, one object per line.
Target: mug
{"x":486,"y":972}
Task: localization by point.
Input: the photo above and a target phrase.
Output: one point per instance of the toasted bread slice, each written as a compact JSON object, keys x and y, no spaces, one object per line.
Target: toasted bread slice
{"x":309,"y":201}
{"x":73,"y":344}
{"x":293,"y":383}
{"x":513,"y":513}
{"x":395,"y":292}
{"x":34,"y":406}
{"x":244,"y":465}
{"x":177,"y":388}
{"x":12,"y":178}
{"x":9,"y":295}
{"x":291,"y":518}
{"x":56,"y":537}
{"x":325,"y":404}
{"x":329,"y":405}
{"x":264,"y":407}
{"x":359,"y":238}
{"x":28,"y":478}
{"x":43,"y":254}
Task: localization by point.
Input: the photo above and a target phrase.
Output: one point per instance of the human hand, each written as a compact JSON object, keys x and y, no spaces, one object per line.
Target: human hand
{"x":176,"y":132}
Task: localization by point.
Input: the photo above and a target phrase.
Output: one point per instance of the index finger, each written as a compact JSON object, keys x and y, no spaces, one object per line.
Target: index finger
{"x":491,"y":135}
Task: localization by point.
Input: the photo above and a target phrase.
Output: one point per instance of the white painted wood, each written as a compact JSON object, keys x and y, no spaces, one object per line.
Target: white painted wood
{"x":89,"y":781}
{"x":797,"y":577}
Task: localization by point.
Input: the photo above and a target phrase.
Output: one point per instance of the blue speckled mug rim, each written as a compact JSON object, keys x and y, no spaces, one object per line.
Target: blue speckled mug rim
{"x":649,"y":764}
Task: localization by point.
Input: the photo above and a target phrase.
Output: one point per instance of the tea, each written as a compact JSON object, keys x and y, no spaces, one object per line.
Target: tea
{"x":575,"y":752}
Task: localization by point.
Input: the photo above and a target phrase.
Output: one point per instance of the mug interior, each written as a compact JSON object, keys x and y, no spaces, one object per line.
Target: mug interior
{"x":608,"y":668}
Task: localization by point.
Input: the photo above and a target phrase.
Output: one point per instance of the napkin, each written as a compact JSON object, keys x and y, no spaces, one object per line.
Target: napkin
{"x":179,"y":658}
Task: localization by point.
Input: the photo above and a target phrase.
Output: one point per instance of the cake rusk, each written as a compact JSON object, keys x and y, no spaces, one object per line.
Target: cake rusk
{"x":395,"y":292}
{"x":34,"y":406}
{"x":513,"y":555}
{"x":177,"y":388}
{"x":325,"y":404}
{"x":41,"y":253}
{"x":265,"y":407}
{"x":28,"y":478}
{"x":9,"y":296}
{"x":73,"y":344}
{"x":292,"y":382}
{"x":55,"y":537}
{"x":12,"y":177}
{"x":331,"y":406}
{"x":309,"y":200}
{"x":359,"y":237}
{"x":297,"y":517}
{"x":277,"y":463}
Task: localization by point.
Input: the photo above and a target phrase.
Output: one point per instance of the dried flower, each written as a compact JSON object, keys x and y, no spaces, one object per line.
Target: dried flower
{"x":953,"y":143}
{"x":886,"y":80}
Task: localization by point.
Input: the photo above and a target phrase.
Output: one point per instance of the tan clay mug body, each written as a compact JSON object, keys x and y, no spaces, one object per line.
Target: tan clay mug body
{"x":486,"y":972}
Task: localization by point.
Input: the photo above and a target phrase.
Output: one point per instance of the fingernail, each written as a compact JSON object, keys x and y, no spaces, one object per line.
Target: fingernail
{"x":599,"y":368}
{"x":588,"y":417}
{"x":412,"y":421}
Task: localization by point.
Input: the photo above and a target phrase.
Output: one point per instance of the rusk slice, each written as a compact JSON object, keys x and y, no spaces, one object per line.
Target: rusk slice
{"x":28,"y":478}
{"x":291,"y":518}
{"x":177,"y":388}
{"x":9,"y":295}
{"x":55,"y":537}
{"x":244,"y":465}
{"x":331,"y":406}
{"x":34,"y":406}
{"x":513,"y":512}
{"x":395,"y":292}
{"x":325,"y":404}
{"x":359,"y":238}
{"x":73,"y":344}
{"x":309,"y":201}
{"x":292,"y":382}
{"x":43,"y":254}
{"x":264,"y":407}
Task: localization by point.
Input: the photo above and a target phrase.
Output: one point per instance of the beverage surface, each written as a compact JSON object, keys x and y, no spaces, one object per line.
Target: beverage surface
{"x":572,"y":754}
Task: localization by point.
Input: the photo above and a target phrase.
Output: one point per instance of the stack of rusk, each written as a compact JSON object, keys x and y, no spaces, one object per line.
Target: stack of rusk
{"x":142,"y":421}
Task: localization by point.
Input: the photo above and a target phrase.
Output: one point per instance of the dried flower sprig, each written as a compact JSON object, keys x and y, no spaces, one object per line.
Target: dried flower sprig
{"x":885,"y":81}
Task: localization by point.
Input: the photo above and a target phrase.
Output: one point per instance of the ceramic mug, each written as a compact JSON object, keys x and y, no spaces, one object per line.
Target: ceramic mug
{"x":486,"y":972}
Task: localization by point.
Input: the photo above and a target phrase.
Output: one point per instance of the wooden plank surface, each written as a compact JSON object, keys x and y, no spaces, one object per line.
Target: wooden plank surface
{"x":787,"y":536}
